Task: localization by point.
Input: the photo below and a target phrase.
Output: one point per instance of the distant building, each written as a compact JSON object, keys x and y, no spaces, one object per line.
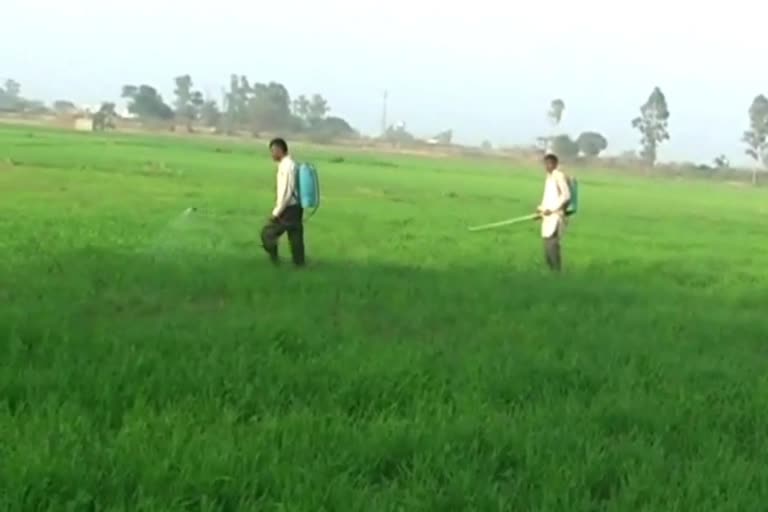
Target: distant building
{"x":84,"y":124}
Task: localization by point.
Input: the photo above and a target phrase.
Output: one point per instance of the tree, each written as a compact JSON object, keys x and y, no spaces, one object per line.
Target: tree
{"x":652,"y":125}
{"x":564,"y":147}
{"x":318,"y":108}
{"x":32,"y":106}
{"x":397,"y":135}
{"x":269,"y":107}
{"x":756,"y":137}
{"x":12,"y":101}
{"x":721,"y":162}
{"x":301,"y":107}
{"x":261,"y":107}
{"x":310,"y":111}
{"x":339,"y":126}
{"x":444,"y":138}
{"x":555,"y":116}
{"x":258,"y":106}
{"x":236,"y":103}
{"x":10,"y":96}
{"x":183,"y":93}
{"x":145,"y":102}
{"x":210,"y":114}
{"x":12,"y":89}
{"x":104,"y":119}
{"x":188,"y":102}
{"x":330,"y":129}
{"x":556,"y":110}
{"x":64,"y":107}
{"x":591,"y":144}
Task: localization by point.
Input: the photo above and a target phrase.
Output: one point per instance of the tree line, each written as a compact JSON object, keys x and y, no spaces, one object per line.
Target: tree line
{"x":11,"y":99}
{"x":246,"y":106}
{"x":653,"y":126}
{"x":258,"y":107}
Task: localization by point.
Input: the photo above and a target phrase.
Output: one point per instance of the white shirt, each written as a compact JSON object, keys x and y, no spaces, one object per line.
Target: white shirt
{"x":286,"y":185}
{"x":556,"y":194}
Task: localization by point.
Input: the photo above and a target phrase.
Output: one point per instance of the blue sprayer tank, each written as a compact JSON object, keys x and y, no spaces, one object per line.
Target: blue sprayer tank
{"x":309,"y":186}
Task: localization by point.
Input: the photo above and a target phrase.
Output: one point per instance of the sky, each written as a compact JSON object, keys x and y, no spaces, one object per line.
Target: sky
{"x":487,"y":69}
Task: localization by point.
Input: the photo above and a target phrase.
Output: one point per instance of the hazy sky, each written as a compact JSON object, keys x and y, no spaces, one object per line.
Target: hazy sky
{"x":486,"y":68}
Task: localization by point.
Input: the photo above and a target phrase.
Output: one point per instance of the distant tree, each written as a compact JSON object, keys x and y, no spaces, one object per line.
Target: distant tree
{"x":652,"y":125}
{"x":210,"y":114}
{"x":197,"y":102}
{"x":130,"y":91}
{"x":32,"y":106}
{"x":64,"y":107}
{"x":146,"y":103}
{"x":12,"y":89}
{"x":486,"y":145}
{"x":398,"y":135}
{"x":629,"y":157}
{"x":269,"y":107}
{"x":236,"y":103}
{"x":318,"y":108}
{"x":301,"y":106}
{"x":310,"y":111}
{"x":330,"y":129}
{"x":555,"y":116}
{"x":104,"y":119}
{"x":444,"y":138}
{"x":188,"y":102}
{"x":564,"y":147}
{"x":756,"y":137}
{"x":721,"y":162}
{"x":10,"y":96}
{"x":183,"y":94}
{"x":544,"y":143}
{"x":556,"y":110}
{"x":591,"y":144}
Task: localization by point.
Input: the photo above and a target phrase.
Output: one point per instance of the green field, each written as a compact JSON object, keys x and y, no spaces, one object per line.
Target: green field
{"x":155,"y":361}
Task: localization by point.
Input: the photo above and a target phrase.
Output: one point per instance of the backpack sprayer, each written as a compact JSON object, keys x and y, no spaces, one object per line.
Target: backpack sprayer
{"x":308,"y":187}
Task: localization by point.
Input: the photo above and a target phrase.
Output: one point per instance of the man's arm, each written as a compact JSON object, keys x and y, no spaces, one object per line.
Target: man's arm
{"x":283,"y":191}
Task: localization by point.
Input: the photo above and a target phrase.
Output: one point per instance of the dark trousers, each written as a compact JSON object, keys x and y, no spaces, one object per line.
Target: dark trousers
{"x":552,"y":252}
{"x":291,"y":221}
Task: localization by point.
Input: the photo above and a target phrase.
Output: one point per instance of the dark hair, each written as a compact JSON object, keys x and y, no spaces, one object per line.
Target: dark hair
{"x":552,"y":158}
{"x":280,"y":144}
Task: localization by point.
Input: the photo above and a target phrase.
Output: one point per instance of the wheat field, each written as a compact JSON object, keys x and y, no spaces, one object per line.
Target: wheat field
{"x":152,"y":360}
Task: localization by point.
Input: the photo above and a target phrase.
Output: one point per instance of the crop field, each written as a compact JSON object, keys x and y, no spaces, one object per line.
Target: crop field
{"x":153,"y":360}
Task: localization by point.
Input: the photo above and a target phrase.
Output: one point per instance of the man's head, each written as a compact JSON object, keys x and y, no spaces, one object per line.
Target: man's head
{"x":551,"y":162}
{"x":279,"y":149}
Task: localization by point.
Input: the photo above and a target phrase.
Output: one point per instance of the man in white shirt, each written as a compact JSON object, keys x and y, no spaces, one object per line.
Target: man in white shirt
{"x":557,"y":194}
{"x":287,"y":215}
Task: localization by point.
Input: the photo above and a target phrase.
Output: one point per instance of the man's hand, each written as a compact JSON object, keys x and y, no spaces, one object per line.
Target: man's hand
{"x":543,"y":211}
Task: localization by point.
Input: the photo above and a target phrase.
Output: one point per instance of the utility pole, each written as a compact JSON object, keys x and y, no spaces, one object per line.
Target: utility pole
{"x":384,"y":113}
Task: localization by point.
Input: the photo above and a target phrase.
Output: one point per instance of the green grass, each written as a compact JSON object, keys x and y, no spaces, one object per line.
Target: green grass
{"x":150,"y":361}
